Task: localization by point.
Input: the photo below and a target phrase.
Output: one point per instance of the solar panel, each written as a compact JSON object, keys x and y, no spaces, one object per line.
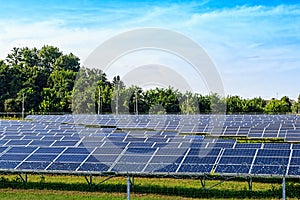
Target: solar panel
{"x":40,"y":165}
{"x":47,"y":144}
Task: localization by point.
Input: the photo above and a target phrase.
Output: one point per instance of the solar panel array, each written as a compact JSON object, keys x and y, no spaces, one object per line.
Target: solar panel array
{"x":286,"y":127}
{"x":153,"y":145}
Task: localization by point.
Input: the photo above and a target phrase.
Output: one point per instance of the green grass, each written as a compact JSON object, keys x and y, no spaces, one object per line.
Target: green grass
{"x":75,"y":187}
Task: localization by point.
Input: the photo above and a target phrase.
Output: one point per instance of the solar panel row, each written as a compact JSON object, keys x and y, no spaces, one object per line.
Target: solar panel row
{"x":254,"y":126}
{"x":52,"y":146}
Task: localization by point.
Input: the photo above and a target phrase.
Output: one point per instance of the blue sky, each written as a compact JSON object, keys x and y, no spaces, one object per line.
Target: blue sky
{"x":255,"y":45}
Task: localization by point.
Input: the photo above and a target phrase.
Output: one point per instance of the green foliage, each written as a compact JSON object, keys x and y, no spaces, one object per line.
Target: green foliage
{"x":71,"y":187}
{"x":45,"y":77}
{"x":275,"y":106}
{"x":52,"y":81}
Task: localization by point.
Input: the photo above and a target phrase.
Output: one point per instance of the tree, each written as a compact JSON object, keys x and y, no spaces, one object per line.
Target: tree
{"x":14,"y":58}
{"x":29,"y":57}
{"x":286,"y":103}
{"x":57,"y":97}
{"x":218,"y":104}
{"x":167,"y":98}
{"x":189,"y":103}
{"x":67,"y":62}
{"x":295,"y":107}
{"x":84,"y":96}
{"x":48,"y":55}
{"x":104,"y":95}
{"x":275,"y":106}
{"x":204,"y":104}
{"x":11,"y":105}
{"x":255,"y":105}
{"x":235,"y":104}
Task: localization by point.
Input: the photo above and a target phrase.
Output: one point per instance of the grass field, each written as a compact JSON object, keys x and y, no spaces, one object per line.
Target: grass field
{"x":75,"y":187}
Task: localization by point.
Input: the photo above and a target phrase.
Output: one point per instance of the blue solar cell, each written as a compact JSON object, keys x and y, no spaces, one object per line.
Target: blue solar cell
{"x":225,"y":141}
{"x":273,"y":152}
{"x":63,"y":166}
{"x":51,"y":137}
{"x":295,"y":161}
{"x":166,"y":145}
{"x":270,"y":135}
{"x":255,"y":135}
{"x":12,"y":137}
{"x":193,"y":144}
{"x":236,"y":160}
{"x":42,"y":157}
{"x":70,"y":138}
{"x":32,"y":137}
{"x":204,"y":152}
{"x":156,"y":139}
{"x":2,"y":142}
{"x":109,"y":150}
{"x":128,"y":167}
{"x":102,"y":158}
{"x":171,"y":151}
{"x":200,"y":160}
{"x":45,"y":143}
{"x":21,"y":149}
{"x":75,"y":150}
{"x":135,"y":139}
{"x":221,"y":145}
{"x":296,"y":146}
{"x":135,"y":159}
{"x":65,"y":143}
{"x":294,"y":170}
{"x":34,"y":165}
{"x":247,"y":145}
{"x":2,"y":149}
{"x":141,"y":144}
{"x":196,"y":168}
{"x":271,"y":160}
{"x":49,"y":150}
{"x":164,"y":168}
{"x":169,"y":133}
{"x":114,"y":138}
{"x":18,"y":142}
{"x":141,"y":150}
{"x":233,"y":169}
{"x":71,"y":158}
{"x":296,"y":153}
{"x":277,"y":146}
{"x":167,"y":159}
{"x":268,"y":169}
{"x":239,"y":152}
{"x":93,"y":167}
{"x":13,"y":157}
{"x":8,"y":164}
{"x":114,"y":144}
{"x":119,"y":134}
{"x":89,"y":144}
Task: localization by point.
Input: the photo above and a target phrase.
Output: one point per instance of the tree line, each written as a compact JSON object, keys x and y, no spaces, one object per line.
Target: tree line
{"x":48,"y":81}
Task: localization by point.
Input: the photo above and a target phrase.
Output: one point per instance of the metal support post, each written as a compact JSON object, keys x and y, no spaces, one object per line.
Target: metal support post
{"x":23,"y":105}
{"x":203,"y":182}
{"x":128,"y":188}
{"x":250,"y":184}
{"x":117,"y":99}
{"x":90,"y":180}
{"x":283,"y":188}
{"x":132,"y":182}
{"x":24,"y":179}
